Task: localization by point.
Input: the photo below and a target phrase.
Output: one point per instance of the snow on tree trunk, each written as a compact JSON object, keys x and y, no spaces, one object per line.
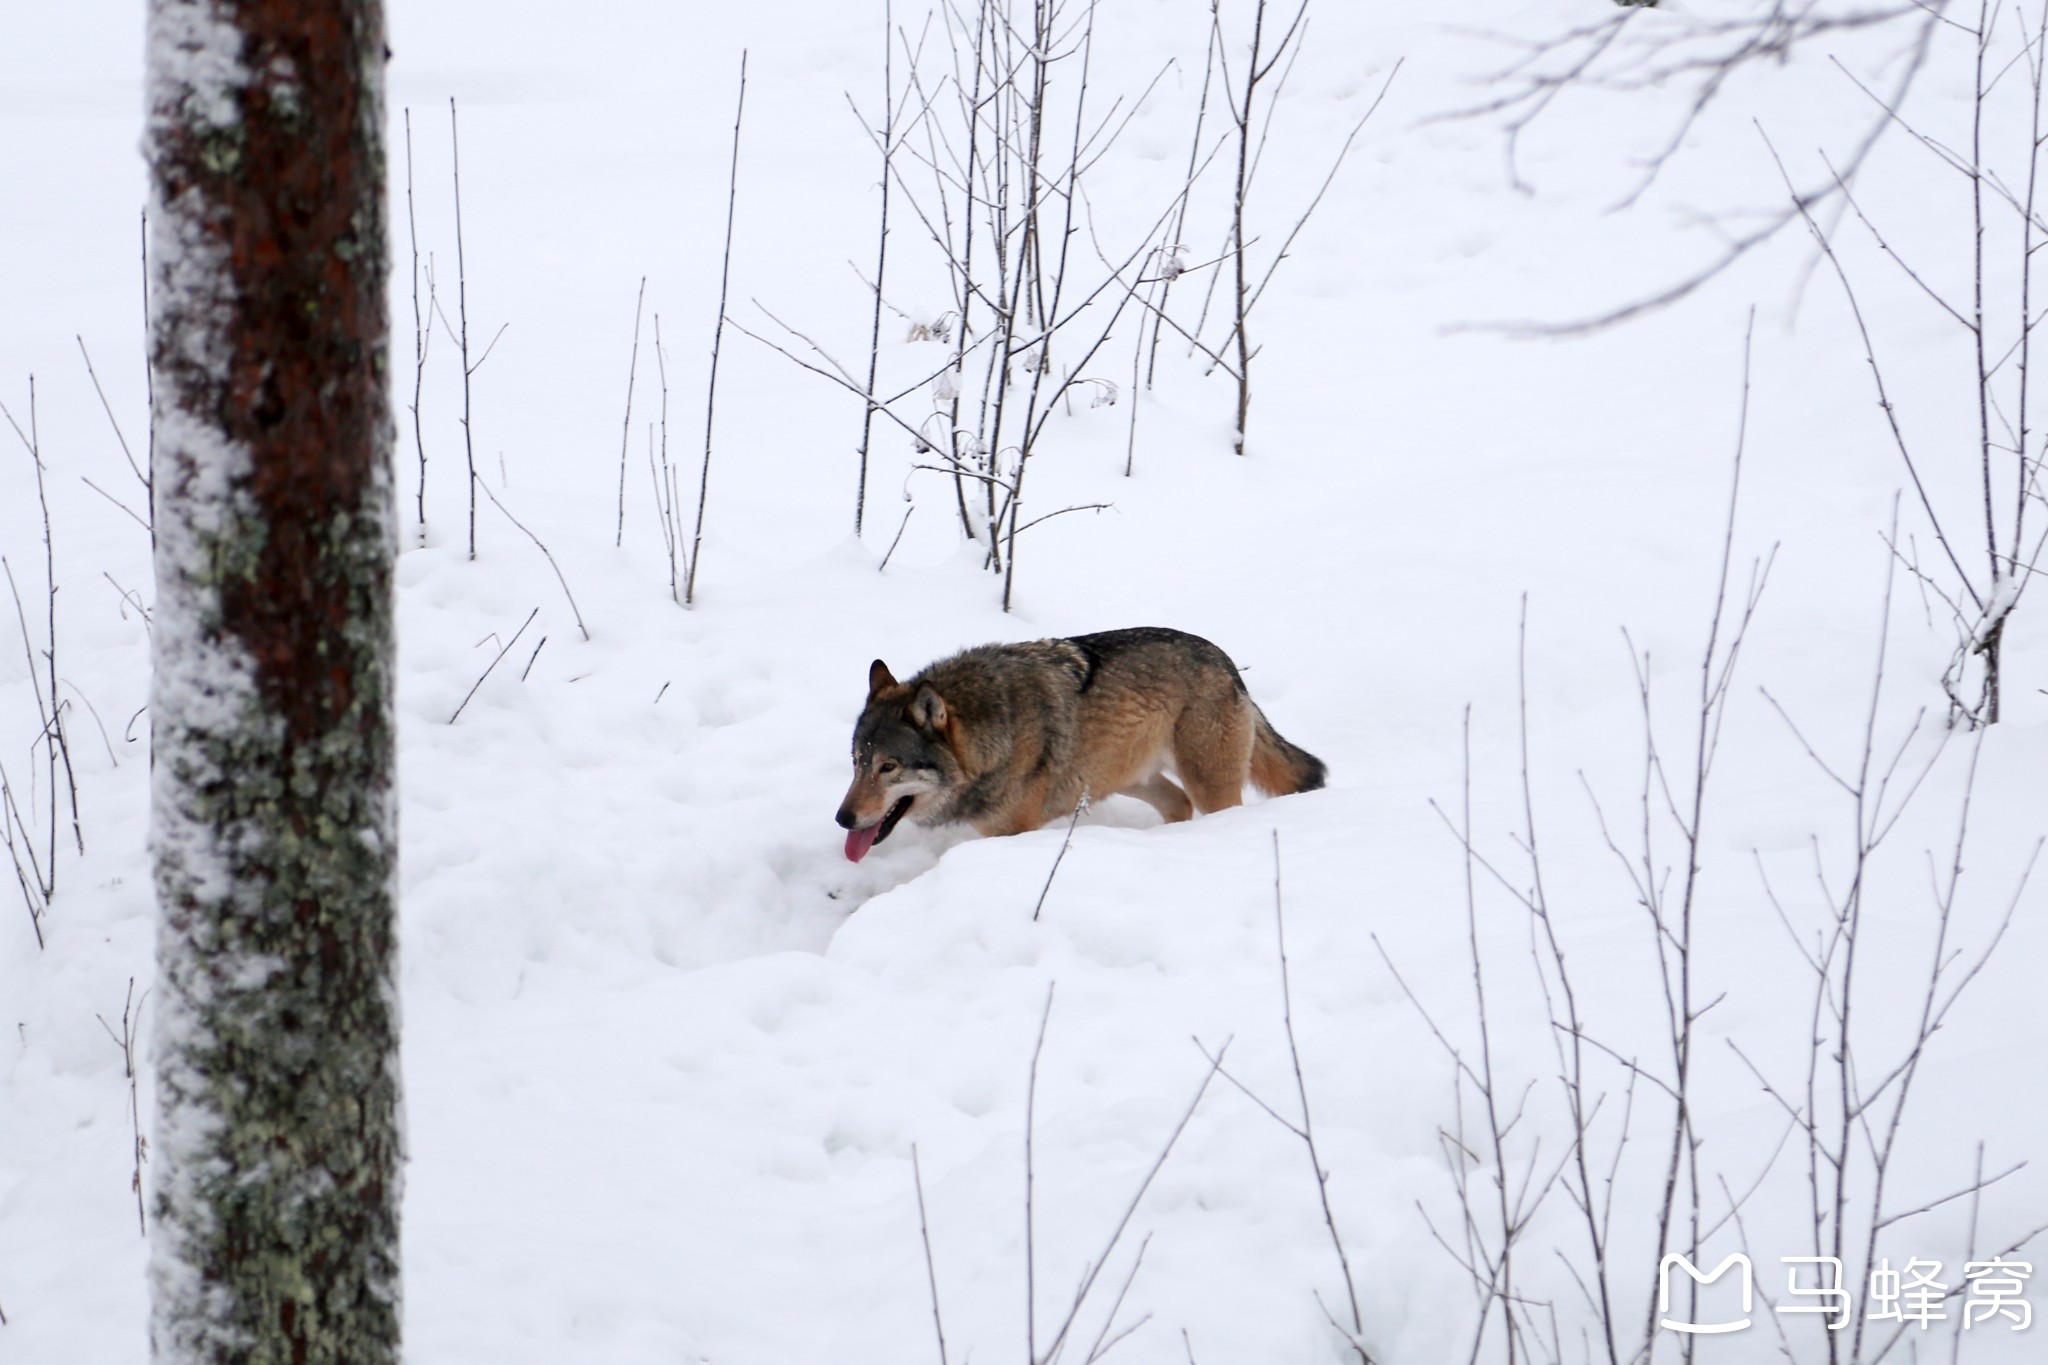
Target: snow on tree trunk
{"x":277,"y":1141}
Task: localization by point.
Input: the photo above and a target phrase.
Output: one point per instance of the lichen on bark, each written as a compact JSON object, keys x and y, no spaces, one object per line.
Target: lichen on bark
{"x":273,"y":827}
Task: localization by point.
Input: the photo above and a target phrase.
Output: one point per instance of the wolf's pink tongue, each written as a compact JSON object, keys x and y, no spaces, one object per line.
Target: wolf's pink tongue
{"x":859,"y":841}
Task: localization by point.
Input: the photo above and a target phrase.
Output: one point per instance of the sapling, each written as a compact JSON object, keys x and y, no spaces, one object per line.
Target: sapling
{"x":888,"y":138}
{"x":1243,"y":96}
{"x":1305,"y":1130}
{"x":626,"y":426}
{"x":2006,"y":459}
{"x":667,"y":506}
{"x":1852,"y":1102}
{"x":1171,"y":265}
{"x":149,"y":382}
{"x":461,"y":336}
{"x":732,"y":194}
{"x":131,"y":1026}
{"x":422,"y":333}
{"x":924,"y":1233}
{"x":53,"y":735}
{"x":462,"y":308}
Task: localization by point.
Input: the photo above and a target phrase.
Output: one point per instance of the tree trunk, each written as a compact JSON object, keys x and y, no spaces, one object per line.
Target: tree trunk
{"x":276,"y":1198}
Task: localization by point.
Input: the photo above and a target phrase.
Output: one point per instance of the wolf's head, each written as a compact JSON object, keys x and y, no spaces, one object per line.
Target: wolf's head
{"x":902,"y":764}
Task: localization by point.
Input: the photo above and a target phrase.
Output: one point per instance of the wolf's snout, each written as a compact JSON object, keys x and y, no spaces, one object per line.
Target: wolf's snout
{"x":845,"y":817}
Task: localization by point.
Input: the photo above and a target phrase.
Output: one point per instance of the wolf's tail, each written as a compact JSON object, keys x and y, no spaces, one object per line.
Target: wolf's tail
{"x":1280,"y":768}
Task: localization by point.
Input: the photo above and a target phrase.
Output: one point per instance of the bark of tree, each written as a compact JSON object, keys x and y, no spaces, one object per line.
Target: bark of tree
{"x":277,"y":1145}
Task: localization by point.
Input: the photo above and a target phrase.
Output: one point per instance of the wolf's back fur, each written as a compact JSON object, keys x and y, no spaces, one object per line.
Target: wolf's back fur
{"x":1008,"y":737}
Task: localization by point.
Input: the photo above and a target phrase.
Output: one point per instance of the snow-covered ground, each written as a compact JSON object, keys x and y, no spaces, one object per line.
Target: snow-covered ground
{"x":668,"y":1054}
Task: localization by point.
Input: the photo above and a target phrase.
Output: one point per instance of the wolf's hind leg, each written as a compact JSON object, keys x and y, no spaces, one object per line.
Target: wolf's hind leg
{"x":1212,"y":752}
{"x":1161,"y":793}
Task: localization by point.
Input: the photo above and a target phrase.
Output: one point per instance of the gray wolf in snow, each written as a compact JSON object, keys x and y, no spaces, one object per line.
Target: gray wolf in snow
{"x":1007,"y":737}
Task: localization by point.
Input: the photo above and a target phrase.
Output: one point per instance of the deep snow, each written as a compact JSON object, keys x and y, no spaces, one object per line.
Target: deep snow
{"x":667,"y":1052}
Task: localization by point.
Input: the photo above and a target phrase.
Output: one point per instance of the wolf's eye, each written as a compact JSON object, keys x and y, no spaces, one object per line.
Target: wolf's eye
{"x":885,"y":767}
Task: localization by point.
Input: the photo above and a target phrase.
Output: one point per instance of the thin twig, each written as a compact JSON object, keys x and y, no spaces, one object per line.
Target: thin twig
{"x":924,"y":1234}
{"x":112,"y":421}
{"x":888,"y":134}
{"x":1130,"y":1211}
{"x":897,"y":540}
{"x":499,"y":504}
{"x":131,"y":1025}
{"x":1307,"y":1131}
{"x":462,"y":311}
{"x":502,"y":651}
{"x":126,"y":510}
{"x":732,"y":190}
{"x":626,"y":426}
{"x":1030,"y":1183}
{"x":422,"y":334}
{"x":1073,"y":820}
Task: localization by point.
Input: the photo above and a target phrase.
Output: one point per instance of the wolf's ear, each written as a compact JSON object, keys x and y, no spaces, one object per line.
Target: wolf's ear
{"x":928,"y":709}
{"x":879,"y":677}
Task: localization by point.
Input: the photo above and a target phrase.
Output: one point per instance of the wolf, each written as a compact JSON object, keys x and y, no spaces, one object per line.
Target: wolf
{"x":1006,"y":737}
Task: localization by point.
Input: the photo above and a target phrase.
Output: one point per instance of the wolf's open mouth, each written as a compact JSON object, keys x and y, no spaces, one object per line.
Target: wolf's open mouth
{"x":859,"y":841}
{"x":896,"y":812}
